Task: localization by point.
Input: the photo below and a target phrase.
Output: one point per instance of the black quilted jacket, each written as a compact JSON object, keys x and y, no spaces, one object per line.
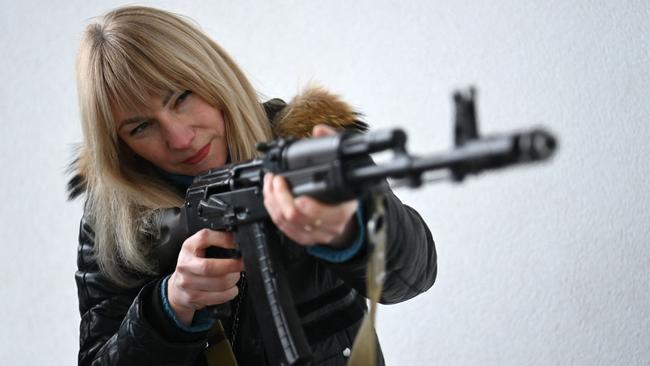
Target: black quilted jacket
{"x":128,"y":326}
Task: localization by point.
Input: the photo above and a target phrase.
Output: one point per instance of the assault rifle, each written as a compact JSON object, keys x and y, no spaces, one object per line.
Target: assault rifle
{"x":331,"y":169}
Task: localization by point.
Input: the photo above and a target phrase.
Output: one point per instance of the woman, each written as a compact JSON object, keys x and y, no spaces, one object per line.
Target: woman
{"x":160,"y":103}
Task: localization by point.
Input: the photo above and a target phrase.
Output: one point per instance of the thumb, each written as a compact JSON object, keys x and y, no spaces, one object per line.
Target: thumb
{"x":322,"y":130}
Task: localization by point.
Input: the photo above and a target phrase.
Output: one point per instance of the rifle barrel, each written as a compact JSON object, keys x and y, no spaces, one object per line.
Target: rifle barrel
{"x":472,"y":157}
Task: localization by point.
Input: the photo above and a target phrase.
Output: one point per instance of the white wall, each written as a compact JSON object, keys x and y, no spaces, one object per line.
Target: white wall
{"x":537,"y":266}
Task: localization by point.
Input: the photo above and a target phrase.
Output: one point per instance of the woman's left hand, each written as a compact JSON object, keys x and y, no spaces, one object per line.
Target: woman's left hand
{"x":306,"y":220}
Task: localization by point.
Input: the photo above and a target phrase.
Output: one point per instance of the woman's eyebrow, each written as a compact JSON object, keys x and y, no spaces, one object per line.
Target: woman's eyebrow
{"x":137,"y":119}
{"x":131,"y":120}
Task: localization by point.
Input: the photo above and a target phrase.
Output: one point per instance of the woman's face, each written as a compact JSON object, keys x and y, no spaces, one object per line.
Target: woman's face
{"x":178,"y":132}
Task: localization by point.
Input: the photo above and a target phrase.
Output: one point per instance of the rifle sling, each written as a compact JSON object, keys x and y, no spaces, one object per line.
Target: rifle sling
{"x":218,"y":351}
{"x":364,"y":349}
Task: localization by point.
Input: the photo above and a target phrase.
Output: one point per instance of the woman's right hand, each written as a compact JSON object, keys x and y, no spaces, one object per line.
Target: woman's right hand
{"x":197,"y":281}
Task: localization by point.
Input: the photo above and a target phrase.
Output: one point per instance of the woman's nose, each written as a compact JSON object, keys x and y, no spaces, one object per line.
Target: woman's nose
{"x":179,"y":136}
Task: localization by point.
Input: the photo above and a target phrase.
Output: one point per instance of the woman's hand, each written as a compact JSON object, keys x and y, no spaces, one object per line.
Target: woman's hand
{"x":304,"y":219}
{"x":197,"y":281}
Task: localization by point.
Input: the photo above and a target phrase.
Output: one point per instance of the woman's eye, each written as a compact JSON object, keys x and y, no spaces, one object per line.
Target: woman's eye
{"x":182,"y":97}
{"x":139,"y":128}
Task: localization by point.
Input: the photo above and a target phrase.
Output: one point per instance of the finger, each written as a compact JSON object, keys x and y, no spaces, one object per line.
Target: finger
{"x":274,"y":201}
{"x":210,"y":284}
{"x":287,"y":216}
{"x":210,"y":267}
{"x":302,"y":228}
{"x":270,"y":203}
{"x":204,"y":238}
{"x":322,"y":130}
{"x":306,"y":237}
{"x":292,"y":216}
{"x":330,"y":218}
{"x":216,"y":298}
{"x":201,"y":299}
{"x":284,"y":200}
{"x":309,"y":229}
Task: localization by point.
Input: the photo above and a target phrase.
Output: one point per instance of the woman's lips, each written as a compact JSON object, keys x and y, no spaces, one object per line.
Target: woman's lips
{"x":200,"y":155}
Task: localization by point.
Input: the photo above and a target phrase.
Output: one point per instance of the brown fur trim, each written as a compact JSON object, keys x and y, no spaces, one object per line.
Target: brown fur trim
{"x":312,"y":107}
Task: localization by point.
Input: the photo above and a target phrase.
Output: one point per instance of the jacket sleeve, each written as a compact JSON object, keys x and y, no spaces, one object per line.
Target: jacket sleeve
{"x":411,"y":266}
{"x":118,"y":325}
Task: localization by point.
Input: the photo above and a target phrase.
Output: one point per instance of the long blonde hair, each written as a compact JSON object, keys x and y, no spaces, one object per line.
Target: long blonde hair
{"x":130,"y":54}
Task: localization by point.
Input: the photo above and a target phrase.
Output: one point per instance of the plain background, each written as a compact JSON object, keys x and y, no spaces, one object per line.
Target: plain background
{"x":543,"y":265}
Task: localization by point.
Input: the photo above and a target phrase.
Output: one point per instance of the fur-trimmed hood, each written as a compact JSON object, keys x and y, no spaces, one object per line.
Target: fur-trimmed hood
{"x":296,"y":119}
{"x":312,"y":107}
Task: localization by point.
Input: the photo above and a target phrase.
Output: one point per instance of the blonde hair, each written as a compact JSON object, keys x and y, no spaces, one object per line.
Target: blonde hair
{"x":129,"y":55}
